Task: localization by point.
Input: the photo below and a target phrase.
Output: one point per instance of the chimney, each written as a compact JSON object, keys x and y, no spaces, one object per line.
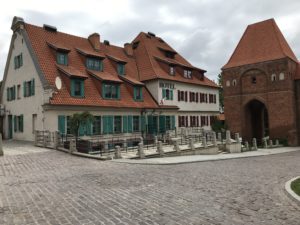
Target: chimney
{"x":128,"y":49}
{"x":17,"y":23}
{"x":95,"y":40}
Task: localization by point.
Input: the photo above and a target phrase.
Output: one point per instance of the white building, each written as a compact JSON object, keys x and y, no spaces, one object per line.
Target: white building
{"x":145,"y":86}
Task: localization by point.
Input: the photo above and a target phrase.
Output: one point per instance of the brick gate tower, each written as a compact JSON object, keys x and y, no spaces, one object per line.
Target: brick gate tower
{"x":260,"y":85}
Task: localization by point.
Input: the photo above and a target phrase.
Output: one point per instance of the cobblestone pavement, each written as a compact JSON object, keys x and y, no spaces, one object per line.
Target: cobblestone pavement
{"x":51,"y":187}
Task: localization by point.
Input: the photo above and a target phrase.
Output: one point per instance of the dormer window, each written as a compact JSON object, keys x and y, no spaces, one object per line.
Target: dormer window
{"x":111,"y":91}
{"x":77,"y":88}
{"x":121,"y":69}
{"x":170,"y":55}
{"x":62,"y":58}
{"x":172,"y":70}
{"x":94,"y":64}
{"x":138,"y":93}
{"x":187,"y":74}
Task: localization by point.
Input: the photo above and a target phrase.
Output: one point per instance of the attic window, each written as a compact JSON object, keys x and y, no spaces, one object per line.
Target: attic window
{"x":121,"y":69}
{"x":94,"y":64}
{"x":151,"y":34}
{"x":106,"y":42}
{"x":187,"y":74}
{"x":170,"y":55}
{"x":62,"y":58}
{"x":273,"y":77}
{"x":172,"y":70}
{"x":49,"y":28}
{"x":253,"y":80}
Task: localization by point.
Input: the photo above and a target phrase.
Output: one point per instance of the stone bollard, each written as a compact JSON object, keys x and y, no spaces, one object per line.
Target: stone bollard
{"x":204,"y":143}
{"x":277,"y":142}
{"x":254,"y":143}
{"x":45,"y":138}
{"x":118,"y":152}
{"x":176,"y":132}
{"x":72,"y":146}
{"x":176,"y":146}
{"x":271,"y":143}
{"x":265,"y":144}
{"x":141,"y":140}
{"x":214,"y":139}
{"x":247,"y":146}
{"x":35,"y":137}
{"x":220,"y":137}
{"x":1,"y":146}
{"x":160,"y":148}
{"x":228,"y":137}
{"x":191,"y":144}
{"x":237,"y":137}
{"x":106,"y":146}
{"x":55,"y":139}
{"x":141,"y":153}
{"x":155,"y":140}
{"x":125,"y":144}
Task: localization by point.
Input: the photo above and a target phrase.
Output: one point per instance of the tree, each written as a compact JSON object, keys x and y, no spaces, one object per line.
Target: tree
{"x":80,"y":119}
{"x":221,"y":95}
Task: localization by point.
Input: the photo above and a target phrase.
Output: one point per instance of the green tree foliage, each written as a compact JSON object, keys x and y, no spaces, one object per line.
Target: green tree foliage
{"x":80,"y":119}
{"x":219,"y":126}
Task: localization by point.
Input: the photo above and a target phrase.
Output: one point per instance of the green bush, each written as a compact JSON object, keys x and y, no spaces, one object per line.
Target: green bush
{"x":295,"y":185}
{"x":219,"y":126}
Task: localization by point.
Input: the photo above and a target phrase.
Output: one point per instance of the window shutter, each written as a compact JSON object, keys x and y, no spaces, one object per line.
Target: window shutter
{"x":125,"y":123}
{"x":110,"y":124}
{"x":118,"y":91}
{"x":129,"y":124}
{"x":88,"y":128}
{"x":162,"y":124}
{"x":14,"y":92}
{"x":32,"y":87}
{"x":134,"y":93}
{"x":61,"y":124}
{"x":21,"y":60}
{"x":7,"y":94}
{"x":105,"y":125}
{"x":82,"y":88}
{"x":24,"y":88}
{"x":72,"y":88}
{"x":173,"y":122}
{"x":178,"y":95}
{"x":15,"y":60}
{"x":185,"y":96}
{"x":163,"y":93}
{"x":143,"y":123}
{"x":15,"y":123}
{"x":171,"y":93}
{"x":81,"y":129}
{"x":21,"y":118}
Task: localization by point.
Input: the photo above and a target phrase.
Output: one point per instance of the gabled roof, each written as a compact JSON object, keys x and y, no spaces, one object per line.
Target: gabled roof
{"x":260,"y":42}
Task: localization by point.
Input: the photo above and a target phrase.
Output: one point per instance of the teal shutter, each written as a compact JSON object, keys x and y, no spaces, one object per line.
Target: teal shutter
{"x":15,"y":123}
{"x":125,"y":124}
{"x":163,"y":93}
{"x":105,"y":125}
{"x":88,"y":128}
{"x":141,"y":93}
{"x":7,"y":94}
{"x":81,"y":130}
{"x":14,"y":92}
{"x":110,"y":124}
{"x":82,"y":88}
{"x":15,"y":60}
{"x":162,"y":124}
{"x":173,"y":122}
{"x":103,"y":90}
{"x":129,"y":124}
{"x":21,"y":118}
{"x":24,"y":89}
{"x":118,"y":91}
{"x":143,"y":123}
{"x":72,"y":87}
{"x":32,"y":87}
{"x":171,"y":92}
{"x":61,"y":124}
{"x":134,"y":92}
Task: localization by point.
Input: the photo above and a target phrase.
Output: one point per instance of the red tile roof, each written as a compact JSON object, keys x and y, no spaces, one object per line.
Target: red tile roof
{"x":90,"y":53}
{"x":71,"y":71}
{"x":101,"y":75}
{"x":260,"y":42}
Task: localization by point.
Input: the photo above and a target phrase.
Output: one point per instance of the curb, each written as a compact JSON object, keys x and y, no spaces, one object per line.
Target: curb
{"x":290,"y":193}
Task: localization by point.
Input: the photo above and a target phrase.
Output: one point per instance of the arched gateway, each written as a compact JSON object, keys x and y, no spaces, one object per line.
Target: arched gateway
{"x":257,"y":120}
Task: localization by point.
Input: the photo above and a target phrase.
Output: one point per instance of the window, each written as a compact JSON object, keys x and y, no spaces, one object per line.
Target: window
{"x":19,"y":91}
{"x":253,"y":80}
{"x":121,"y":68}
{"x":234,"y":82}
{"x":187,"y":74}
{"x":18,"y":123}
{"x":111,"y":91}
{"x":273,"y":77}
{"x":28,"y":88}
{"x":18,"y":61}
{"x":281,"y":76}
{"x":170,"y":55}
{"x":62,"y":58}
{"x":117,"y":124}
{"x":77,"y":88}
{"x":227,"y":83}
{"x":167,"y":94}
{"x":172,"y":70}
{"x":138,"y":93}
{"x":97,"y":125}
{"x":94,"y":64}
{"x":136,"y":123}
{"x":68,"y":124}
{"x":168,"y":123}
{"x":11,"y":93}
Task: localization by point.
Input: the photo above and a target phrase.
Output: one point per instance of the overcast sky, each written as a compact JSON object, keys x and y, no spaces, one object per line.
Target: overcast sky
{"x":205,"y":32}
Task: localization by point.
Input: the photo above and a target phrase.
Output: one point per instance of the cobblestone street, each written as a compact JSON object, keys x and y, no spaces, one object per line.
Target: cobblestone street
{"x":51,"y":187}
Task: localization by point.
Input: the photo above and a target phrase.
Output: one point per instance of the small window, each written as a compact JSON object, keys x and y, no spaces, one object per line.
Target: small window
{"x":228,"y":83}
{"x":97,"y":125}
{"x":77,"y":88}
{"x":121,"y":69}
{"x":94,"y":64}
{"x":172,"y":70}
{"x":234,"y":82}
{"x":19,"y":91}
{"x":18,"y":61}
{"x":281,"y":76}
{"x":62,"y":58}
{"x":136,"y":123}
{"x":167,"y":94}
{"x":111,"y":91}
{"x":138,"y":93}
{"x":187,"y":74}
{"x":117,"y":124}
{"x":253,"y":80}
{"x":28,"y":88}
{"x":273,"y":77}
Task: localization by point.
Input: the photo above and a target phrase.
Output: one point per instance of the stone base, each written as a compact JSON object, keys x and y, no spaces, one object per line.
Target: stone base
{"x":234,"y":147}
{"x":208,"y":151}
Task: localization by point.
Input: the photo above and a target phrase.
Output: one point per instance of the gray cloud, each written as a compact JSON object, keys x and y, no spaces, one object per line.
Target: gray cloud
{"x":204,"y":32}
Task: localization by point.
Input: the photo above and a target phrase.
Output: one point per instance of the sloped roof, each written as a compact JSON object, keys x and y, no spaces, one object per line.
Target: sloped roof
{"x":260,"y":42}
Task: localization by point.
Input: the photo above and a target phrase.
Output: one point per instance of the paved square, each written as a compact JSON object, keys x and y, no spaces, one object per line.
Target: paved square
{"x":51,"y":187}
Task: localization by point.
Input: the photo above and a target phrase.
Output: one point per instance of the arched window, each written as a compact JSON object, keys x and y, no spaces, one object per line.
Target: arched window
{"x":281,"y":76}
{"x":228,"y":83}
{"x":234,"y":82}
{"x":273,"y":77}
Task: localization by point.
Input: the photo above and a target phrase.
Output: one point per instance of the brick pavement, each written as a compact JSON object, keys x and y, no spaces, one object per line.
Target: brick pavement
{"x":51,"y":187}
